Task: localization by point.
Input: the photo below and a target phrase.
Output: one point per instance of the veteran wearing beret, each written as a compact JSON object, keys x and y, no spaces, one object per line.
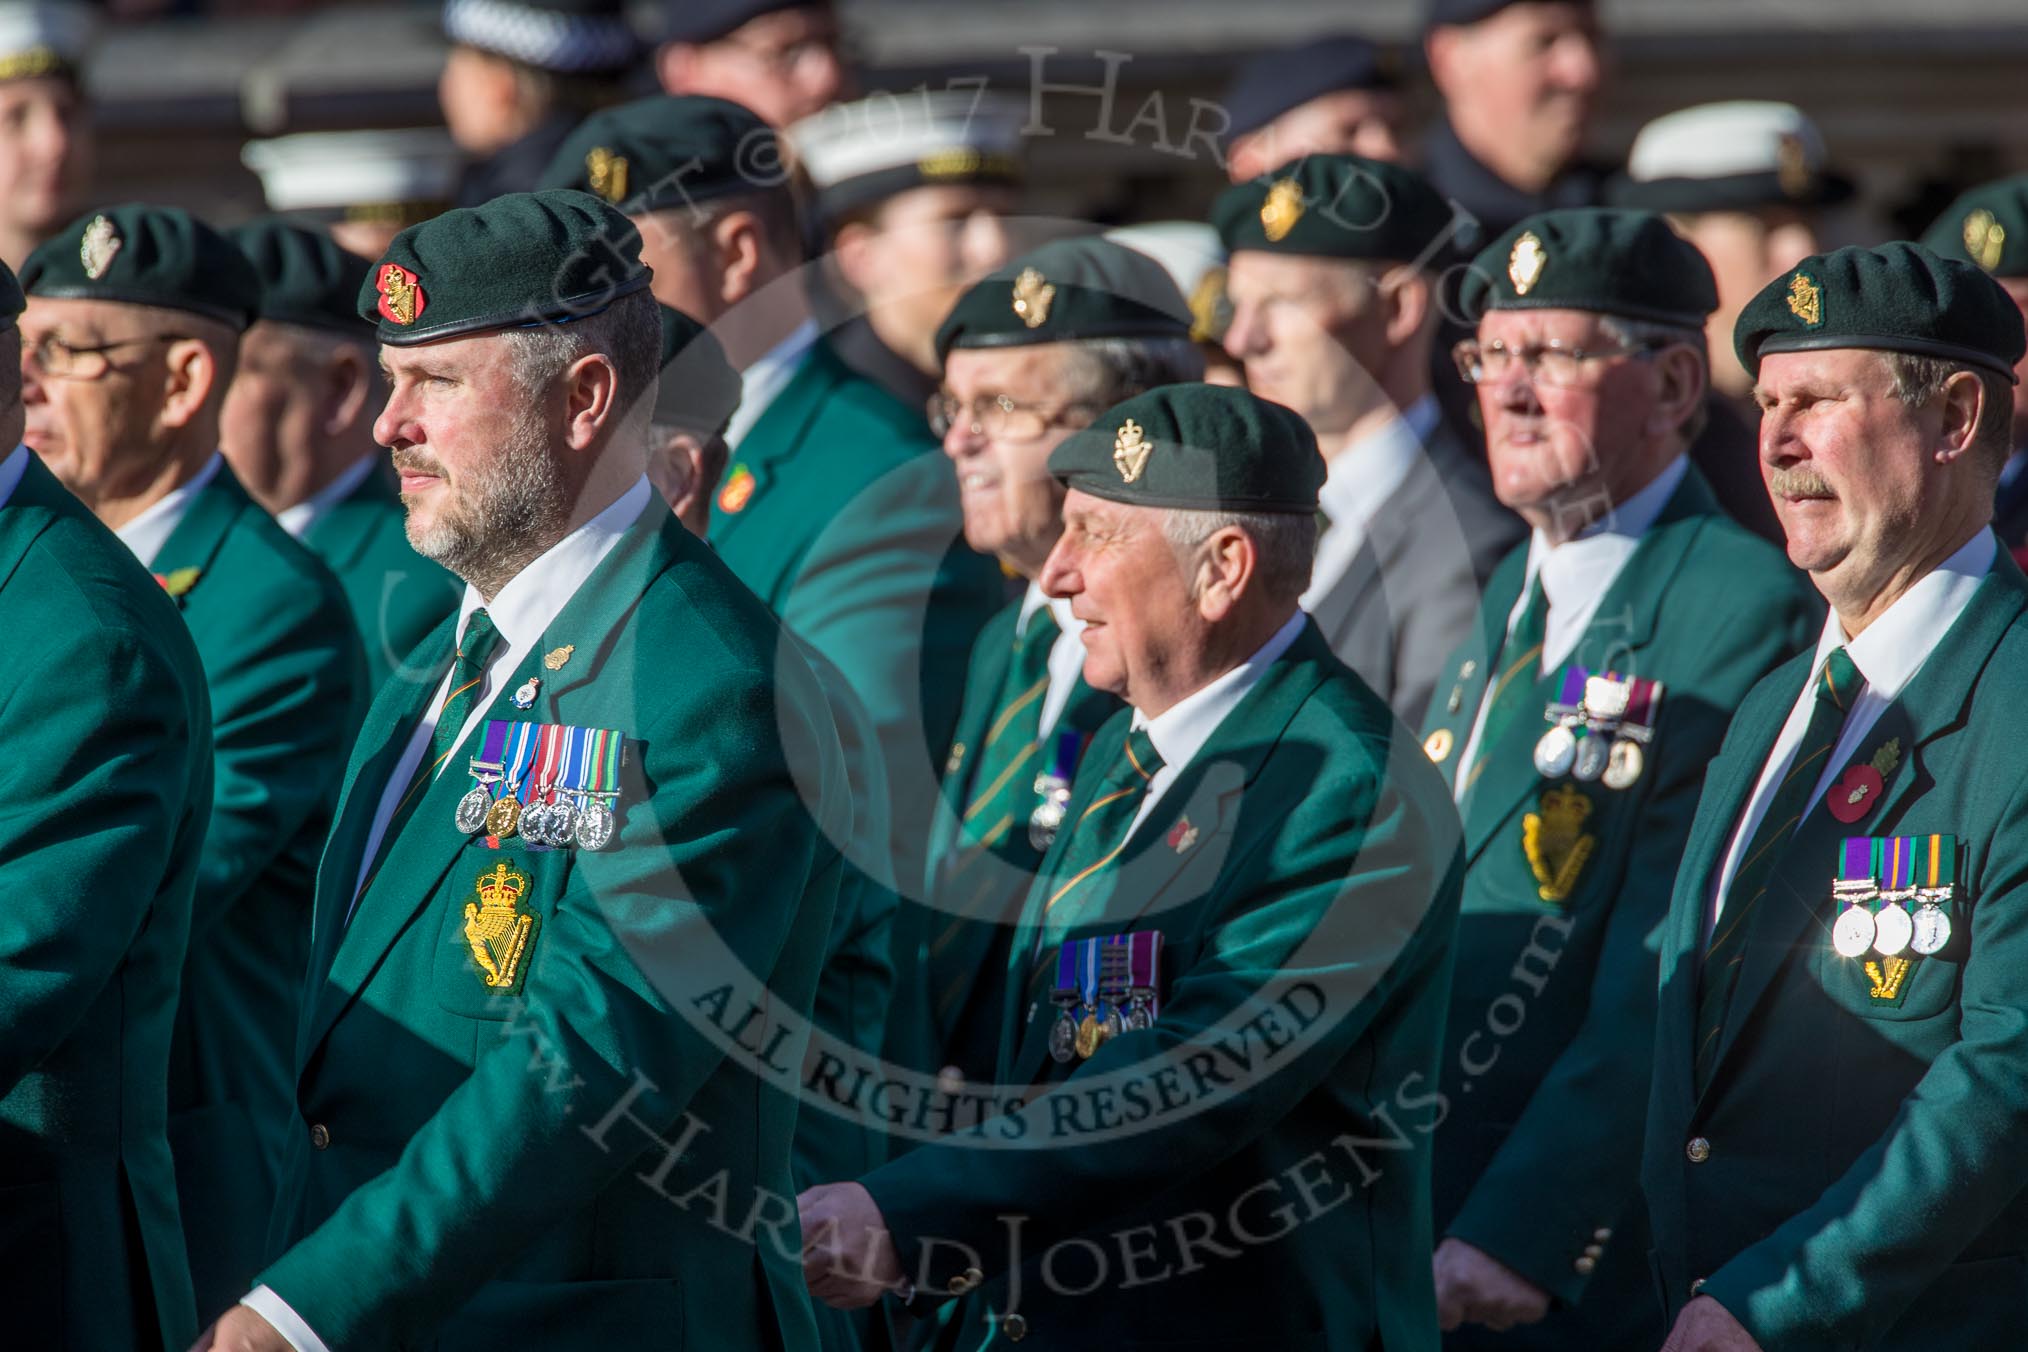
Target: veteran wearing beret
{"x":1030,"y":356}
{"x":780,"y":58}
{"x":1255,"y":857}
{"x":1988,"y":226}
{"x":1333,"y":284}
{"x":297,"y":429}
{"x":834,"y":508}
{"x":1336,"y":96}
{"x":108,"y":791}
{"x":548,"y":856}
{"x":129,"y":340}
{"x":1574,"y":726}
{"x":1837,"y":1137}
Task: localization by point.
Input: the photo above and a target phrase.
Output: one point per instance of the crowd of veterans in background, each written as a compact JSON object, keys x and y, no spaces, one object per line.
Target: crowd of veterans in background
{"x":682,"y":729}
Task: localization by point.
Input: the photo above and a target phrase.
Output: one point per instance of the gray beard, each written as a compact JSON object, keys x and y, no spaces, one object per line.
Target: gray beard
{"x":505,"y":517}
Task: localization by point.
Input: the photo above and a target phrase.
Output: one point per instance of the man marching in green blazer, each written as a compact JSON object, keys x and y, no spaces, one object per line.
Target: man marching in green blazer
{"x":1223,"y":1002}
{"x":1574,"y":729}
{"x":1030,"y":354}
{"x":1837,"y":1136}
{"x":572,"y":909}
{"x":108,"y":792}
{"x":297,"y":429}
{"x":133,"y":320}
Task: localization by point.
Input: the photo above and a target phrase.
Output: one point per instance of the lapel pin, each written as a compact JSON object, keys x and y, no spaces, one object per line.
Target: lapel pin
{"x":556,"y":657}
{"x":524,"y":698}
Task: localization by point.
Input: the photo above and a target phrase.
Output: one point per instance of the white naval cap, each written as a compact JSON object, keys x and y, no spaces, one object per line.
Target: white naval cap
{"x":393,"y":176}
{"x":1194,"y":257}
{"x":43,"y":39}
{"x":862,"y":152}
{"x":1729,"y":156}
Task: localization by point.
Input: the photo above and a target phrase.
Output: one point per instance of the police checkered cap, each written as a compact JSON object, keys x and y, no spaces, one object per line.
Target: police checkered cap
{"x":550,"y":39}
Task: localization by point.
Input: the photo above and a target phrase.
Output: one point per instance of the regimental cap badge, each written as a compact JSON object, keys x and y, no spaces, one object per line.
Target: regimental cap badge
{"x":1282,"y":209}
{"x":606,"y":173}
{"x":1032,"y":297}
{"x":1985,"y":238}
{"x":1210,"y":307}
{"x":1525,"y":262}
{"x":1131,"y":450}
{"x":1792,"y":166}
{"x":1806,"y":300}
{"x":99,"y":247}
{"x":401,"y":294}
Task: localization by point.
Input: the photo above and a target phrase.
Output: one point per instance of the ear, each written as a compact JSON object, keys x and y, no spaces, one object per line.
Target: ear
{"x":1408,"y":298}
{"x":737,"y":241}
{"x":675,"y":66}
{"x":348,"y":384}
{"x":1440,"y":54}
{"x":189,"y":378}
{"x":1964,"y":400}
{"x":1247,"y":158}
{"x":852,"y":247}
{"x":592,"y":386}
{"x":1227,"y":570}
{"x":1683,"y":381}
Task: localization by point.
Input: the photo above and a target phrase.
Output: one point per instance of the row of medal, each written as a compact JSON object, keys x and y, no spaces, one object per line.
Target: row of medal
{"x":1104,"y":987}
{"x":1598,"y":726}
{"x":1052,"y":786}
{"x":1878,"y":878}
{"x":548,"y":783}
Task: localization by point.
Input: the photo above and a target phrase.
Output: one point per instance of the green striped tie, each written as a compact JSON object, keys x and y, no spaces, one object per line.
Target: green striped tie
{"x":1837,"y":685}
{"x":1002,"y":787}
{"x":1511,"y":693}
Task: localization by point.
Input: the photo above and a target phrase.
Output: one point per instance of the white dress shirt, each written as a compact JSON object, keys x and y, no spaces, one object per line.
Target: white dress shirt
{"x":522,"y":610}
{"x":1888,"y":654}
{"x":148,"y":532}
{"x":305,"y":514}
{"x":11,"y":470}
{"x":1180,"y":731}
{"x":1575,"y":575}
{"x":1358,"y":481}
{"x":1066,"y":654}
{"x":766,"y":378}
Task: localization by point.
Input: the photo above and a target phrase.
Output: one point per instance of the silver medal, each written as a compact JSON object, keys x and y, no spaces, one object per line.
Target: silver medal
{"x":1853,"y":934}
{"x":1892,"y":929}
{"x":1555,"y":753}
{"x":1932,"y":930}
{"x":1624,"y":765}
{"x":1592,"y":753}
{"x":594,"y":827}
{"x":1063,"y":1037}
{"x":471,"y":814}
{"x":1138,"y":1016}
{"x":535,"y":823}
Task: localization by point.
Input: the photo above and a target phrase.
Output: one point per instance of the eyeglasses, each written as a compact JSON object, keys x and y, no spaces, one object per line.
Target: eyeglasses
{"x":1551,"y":363}
{"x":998,"y":417}
{"x":51,"y":356}
{"x":780,"y":62}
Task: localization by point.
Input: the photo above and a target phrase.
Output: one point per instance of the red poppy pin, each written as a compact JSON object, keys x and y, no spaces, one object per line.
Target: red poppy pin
{"x":1854,"y":795}
{"x":1182,"y":835}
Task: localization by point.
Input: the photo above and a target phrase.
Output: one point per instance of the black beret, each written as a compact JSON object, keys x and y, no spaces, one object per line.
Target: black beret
{"x":710,"y":20}
{"x":1602,"y":259}
{"x":567,"y":37}
{"x":1274,"y":82}
{"x":1196,"y":446}
{"x":11,"y":300}
{"x":521,"y":260}
{"x":1899,"y":297}
{"x":1987,"y":226}
{"x":146,"y":255}
{"x":672,"y":150}
{"x":1344,"y":206}
{"x":1441,"y":12}
{"x":305,"y":278}
{"x":1066,"y":291}
{"x":699,"y":390}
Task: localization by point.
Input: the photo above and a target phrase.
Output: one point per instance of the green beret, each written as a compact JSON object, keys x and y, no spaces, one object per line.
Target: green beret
{"x":1196,"y":446}
{"x":146,"y":255}
{"x":1065,"y":291}
{"x":1343,"y":206}
{"x":1612,"y":262}
{"x":524,"y":259}
{"x":1899,"y":297}
{"x":11,"y":299}
{"x":305,"y":277}
{"x":699,"y":390}
{"x":1987,"y":226}
{"x":668,"y":151}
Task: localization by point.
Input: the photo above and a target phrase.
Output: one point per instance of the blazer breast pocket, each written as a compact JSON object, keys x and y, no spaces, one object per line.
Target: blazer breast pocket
{"x":1904,"y":988}
{"x":492,"y":909}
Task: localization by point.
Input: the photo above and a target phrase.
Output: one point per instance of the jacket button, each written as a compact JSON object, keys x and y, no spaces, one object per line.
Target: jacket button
{"x":320,"y":1137}
{"x":1016,"y":1327}
{"x":1699,"y":1150}
{"x":1697,"y":1288}
{"x":1594,"y":1251}
{"x":1585,"y":1265}
{"x":1602,"y":1234}
{"x":965,"y":1281}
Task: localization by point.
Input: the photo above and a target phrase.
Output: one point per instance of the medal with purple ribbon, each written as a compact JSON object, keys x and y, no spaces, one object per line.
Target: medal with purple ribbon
{"x":1856,"y":886}
{"x":486,"y":768}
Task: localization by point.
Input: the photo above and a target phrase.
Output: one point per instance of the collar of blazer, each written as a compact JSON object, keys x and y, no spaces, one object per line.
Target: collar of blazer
{"x":211,"y":516}
{"x":781,"y":428}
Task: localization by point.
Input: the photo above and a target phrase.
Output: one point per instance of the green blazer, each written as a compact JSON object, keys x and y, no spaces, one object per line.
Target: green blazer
{"x":1552,"y":1010}
{"x":108,"y":791}
{"x":287,"y":689}
{"x":848,"y":526}
{"x":1303,"y":871}
{"x":396,"y":595}
{"x":578,"y":1162}
{"x":1862,"y":1161}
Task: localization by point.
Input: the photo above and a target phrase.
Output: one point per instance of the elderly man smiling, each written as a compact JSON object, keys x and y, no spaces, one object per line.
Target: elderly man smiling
{"x":1254,"y":837}
{"x":1838,"y":1128}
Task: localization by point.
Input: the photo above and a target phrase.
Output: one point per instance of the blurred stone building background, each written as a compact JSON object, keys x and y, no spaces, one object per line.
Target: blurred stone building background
{"x":1914,"y":99}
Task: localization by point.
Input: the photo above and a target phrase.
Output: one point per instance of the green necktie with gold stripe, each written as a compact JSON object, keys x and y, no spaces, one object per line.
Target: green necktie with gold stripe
{"x":1837,"y":685}
{"x":1511,"y":693}
{"x":1001,"y":792}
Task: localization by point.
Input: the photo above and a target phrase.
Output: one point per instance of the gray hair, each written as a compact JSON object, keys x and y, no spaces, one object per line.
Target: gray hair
{"x":1652,"y":333}
{"x":1918,"y":380}
{"x":629,"y":331}
{"x":1101,"y":372}
{"x":1285,"y":542}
